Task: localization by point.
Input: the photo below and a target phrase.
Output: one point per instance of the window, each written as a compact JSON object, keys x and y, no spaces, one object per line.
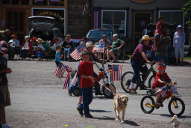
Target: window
{"x":172,"y":16}
{"x":114,"y":20}
{"x":56,"y":2}
{"x":40,"y":2}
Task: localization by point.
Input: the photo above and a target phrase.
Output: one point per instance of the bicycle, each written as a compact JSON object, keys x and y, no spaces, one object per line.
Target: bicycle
{"x":148,"y":103}
{"x":127,"y":78}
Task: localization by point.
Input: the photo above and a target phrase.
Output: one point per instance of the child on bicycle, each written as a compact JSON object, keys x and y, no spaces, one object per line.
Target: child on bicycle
{"x":159,"y":85}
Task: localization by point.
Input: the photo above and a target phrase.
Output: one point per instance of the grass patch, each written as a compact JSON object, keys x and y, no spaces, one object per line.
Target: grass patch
{"x":187,"y":58}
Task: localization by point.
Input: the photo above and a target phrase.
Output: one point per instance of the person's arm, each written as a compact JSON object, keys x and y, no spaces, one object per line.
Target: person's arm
{"x":174,"y":39}
{"x":145,"y":57}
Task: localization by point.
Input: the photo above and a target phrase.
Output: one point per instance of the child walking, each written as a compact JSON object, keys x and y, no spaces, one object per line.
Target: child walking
{"x":85,"y":71}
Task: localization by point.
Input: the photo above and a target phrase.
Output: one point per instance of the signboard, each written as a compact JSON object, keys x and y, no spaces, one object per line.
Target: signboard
{"x":143,"y":1}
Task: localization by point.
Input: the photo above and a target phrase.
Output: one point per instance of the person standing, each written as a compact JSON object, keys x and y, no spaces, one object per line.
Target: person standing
{"x":85,"y":71}
{"x":178,"y":44}
{"x":4,"y":91}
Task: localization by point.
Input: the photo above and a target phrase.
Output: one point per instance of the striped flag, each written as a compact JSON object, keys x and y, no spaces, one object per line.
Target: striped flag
{"x":76,"y":54}
{"x":116,"y":72}
{"x":99,"y":48}
{"x":67,"y":80}
{"x":59,"y":72}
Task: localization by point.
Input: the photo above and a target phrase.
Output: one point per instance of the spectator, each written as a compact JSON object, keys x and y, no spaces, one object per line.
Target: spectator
{"x":116,"y":46}
{"x":15,"y":46}
{"x":4,"y":91}
{"x":178,"y":44}
{"x":25,"y":48}
{"x":67,"y":47}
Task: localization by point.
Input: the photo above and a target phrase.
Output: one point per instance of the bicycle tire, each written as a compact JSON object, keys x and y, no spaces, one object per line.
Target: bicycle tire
{"x":150,"y":81}
{"x":143,"y":106}
{"x":182,"y":104}
{"x":124,"y":85}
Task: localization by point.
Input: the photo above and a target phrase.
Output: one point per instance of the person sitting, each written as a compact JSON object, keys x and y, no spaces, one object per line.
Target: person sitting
{"x":160,"y":81}
{"x":138,"y":61}
{"x":116,"y":46}
{"x":103,"y":45}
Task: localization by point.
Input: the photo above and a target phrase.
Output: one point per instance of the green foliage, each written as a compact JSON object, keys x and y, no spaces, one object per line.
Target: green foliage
{"x":187,"y":8}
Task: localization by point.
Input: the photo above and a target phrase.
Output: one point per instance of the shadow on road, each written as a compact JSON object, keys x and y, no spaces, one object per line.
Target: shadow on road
{"x":168,"y":115}
{"x":129,"y":122}
{"x":99,"y":111}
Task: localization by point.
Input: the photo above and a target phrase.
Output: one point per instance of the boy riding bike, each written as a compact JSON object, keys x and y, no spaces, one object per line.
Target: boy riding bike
{"x":160,"y":85}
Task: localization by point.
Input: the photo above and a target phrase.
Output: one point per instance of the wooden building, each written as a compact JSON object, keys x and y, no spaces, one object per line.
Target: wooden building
{"x":129,"y":17}
{"x":14,"y":14}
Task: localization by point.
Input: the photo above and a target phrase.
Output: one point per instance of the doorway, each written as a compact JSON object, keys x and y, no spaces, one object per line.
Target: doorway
{"x":141,"y":19}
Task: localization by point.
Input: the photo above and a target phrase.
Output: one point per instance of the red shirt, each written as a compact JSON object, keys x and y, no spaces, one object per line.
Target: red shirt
{"x":85,"y":68}
{"x":163,"y":77}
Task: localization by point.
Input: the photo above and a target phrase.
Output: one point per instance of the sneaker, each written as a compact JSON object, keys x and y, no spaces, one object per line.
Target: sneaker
{"x":88,"y":116}
{"x":80,"y":111}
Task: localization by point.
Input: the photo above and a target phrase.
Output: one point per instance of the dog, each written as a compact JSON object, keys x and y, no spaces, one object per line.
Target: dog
{"x":175,"y":122}
{"x":120,"y":103}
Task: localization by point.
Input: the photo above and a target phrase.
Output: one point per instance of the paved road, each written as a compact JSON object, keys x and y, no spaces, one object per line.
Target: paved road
{"x":38,"y":101}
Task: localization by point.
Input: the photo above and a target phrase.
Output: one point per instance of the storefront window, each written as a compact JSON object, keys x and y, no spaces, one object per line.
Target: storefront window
{"x":115,"y":20}
{"x":172,"y":16}
{"x":40,"y":2}
{"x":56,"y":2}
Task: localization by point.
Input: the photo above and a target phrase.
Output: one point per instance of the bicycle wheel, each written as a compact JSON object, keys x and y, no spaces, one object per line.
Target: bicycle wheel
{"x":147,"y":104}
{"x":126,"y":81}
{"x":176,"y":106}
{"x":150,"y":82}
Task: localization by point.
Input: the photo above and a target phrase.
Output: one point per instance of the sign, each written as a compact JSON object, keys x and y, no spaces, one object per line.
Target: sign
{"x":142,"y":1}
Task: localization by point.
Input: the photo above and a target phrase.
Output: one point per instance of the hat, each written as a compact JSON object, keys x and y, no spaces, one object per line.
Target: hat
{"x":145,"y":37}
{"x":39,"y":40}
{"x":179,"y":26}
{"x":115,"y":35}
{"x":89,"y":44}
{"x":27,"y":37}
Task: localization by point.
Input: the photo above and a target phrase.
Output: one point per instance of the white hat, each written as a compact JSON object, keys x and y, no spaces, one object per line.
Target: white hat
{"x":89,"y":44}
{"x":179,"y":26}
{"x":115,"y":35}
{"x":26,"y":37}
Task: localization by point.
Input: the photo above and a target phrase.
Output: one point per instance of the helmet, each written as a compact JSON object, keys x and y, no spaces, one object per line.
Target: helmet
{"x":145,"y":37}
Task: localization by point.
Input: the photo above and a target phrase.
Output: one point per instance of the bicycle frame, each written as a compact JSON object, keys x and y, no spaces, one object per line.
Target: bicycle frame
{"x":151,"y":69}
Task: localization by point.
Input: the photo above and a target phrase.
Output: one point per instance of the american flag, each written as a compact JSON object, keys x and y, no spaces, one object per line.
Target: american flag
{"x":59,"y":72}
{"x":76,"y":54}
{"x":116,"y":72}
{"x":99,"y":49}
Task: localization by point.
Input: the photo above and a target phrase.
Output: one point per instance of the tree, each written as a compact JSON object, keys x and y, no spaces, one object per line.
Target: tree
{"x":187,"y":11}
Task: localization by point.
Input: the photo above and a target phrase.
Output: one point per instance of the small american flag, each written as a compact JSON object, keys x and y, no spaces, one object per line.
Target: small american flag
{"x":116,"y":72}
{"x":99,"y":49}
{"x":59,"y":72}
{"x":76,"y":54}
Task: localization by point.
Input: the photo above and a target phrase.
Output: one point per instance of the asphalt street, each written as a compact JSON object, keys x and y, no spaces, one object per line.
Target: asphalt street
{"x":38,"y":100}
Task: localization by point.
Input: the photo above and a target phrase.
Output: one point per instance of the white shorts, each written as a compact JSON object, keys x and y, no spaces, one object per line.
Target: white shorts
{"x":179,"y":52}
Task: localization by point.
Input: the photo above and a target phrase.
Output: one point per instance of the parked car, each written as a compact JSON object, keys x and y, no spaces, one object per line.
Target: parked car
{"x":45,"y":27}
{"x":96,"y":34}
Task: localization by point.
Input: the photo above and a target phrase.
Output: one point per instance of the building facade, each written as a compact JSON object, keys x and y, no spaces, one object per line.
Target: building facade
{"x":14,"y":14}
{"x":129,"y":17}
